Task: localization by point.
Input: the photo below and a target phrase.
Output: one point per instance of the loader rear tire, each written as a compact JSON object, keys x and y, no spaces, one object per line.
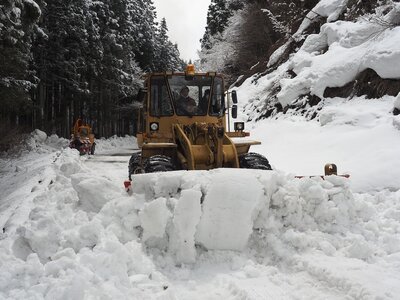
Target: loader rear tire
{"x":135,"y":164}
{"x":253,"y":160}
{"x":159,"y":163}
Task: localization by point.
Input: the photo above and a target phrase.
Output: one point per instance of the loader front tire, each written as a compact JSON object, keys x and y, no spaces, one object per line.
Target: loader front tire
{"x":135,"y":164}
{"x":253,"y":160}
{"x":159,"y":163}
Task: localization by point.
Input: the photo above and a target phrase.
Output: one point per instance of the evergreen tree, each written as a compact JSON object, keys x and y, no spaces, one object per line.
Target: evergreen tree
{"x":114,"y":76}
{"x":60,"y":63}
{"x":87,"y":56}
{"x":162,"y":44}
{"x":145,"y":34}
{"x":17,"y":23}
{"x":218,"y":15}
{"x":167,"y":54}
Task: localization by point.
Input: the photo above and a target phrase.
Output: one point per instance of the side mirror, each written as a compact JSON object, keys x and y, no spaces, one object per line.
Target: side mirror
{"x":234,"y":111}
{"x":234,"y":97}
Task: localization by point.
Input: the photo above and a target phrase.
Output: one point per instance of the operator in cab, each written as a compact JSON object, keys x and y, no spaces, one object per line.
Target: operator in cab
{"x":185,"y":103}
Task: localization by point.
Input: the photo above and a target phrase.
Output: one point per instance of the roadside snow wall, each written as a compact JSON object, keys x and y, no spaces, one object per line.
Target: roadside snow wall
{"x":220,"y":209}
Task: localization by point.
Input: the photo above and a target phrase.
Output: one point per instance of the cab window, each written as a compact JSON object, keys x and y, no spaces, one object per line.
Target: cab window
{"x":217,"y":105}
{"x":83,"y":132}
{"x":160,"y":103}
{"x":190,"y":95}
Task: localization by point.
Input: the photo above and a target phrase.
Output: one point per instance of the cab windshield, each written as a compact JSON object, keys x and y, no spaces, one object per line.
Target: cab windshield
{"x":194,"y":96}
{"x":83,"y":131}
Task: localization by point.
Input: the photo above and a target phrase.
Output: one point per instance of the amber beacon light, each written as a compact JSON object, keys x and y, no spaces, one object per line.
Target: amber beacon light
{"x":190,"y":69}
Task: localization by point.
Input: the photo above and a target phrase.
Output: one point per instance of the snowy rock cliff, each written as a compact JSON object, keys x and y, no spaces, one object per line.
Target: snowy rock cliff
{"x":340,"y":49}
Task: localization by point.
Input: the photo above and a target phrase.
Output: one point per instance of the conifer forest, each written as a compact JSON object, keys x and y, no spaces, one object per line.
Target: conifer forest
{"x":66,"y":59}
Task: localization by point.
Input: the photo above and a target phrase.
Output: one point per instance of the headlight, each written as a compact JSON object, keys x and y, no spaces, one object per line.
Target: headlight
{"x":238,"y":126}
{"x":154,"y":126}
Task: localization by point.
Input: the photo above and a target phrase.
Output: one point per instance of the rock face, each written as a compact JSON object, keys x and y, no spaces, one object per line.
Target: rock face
{"x":335,"y":48}
{"x":367,"y":83}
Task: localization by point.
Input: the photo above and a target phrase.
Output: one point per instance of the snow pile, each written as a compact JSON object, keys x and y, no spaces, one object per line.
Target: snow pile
{"x":223,"y":220}
{"x":38,"y":141}
{"x":173,"y":220}
{"x":60,"y":247}
{"x":173,"y":212}
{"x":103,"y":145}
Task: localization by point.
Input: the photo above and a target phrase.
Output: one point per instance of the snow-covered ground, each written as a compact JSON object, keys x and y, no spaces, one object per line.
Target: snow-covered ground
{"x":70,"y":231}
{"x":360,"y":136}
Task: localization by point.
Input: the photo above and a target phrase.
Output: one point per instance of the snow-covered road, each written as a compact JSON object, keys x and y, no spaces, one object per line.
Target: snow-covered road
{"x":113,"y":166}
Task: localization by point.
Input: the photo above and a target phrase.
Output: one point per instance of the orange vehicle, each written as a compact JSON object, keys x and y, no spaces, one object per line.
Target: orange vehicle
{"x":82,"y":138}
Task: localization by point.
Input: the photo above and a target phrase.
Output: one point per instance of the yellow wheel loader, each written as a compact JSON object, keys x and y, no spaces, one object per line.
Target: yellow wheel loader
{"x":184,"y":125}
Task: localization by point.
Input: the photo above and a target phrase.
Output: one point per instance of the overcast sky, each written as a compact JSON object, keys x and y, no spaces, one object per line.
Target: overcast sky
{"x":186,"y":21}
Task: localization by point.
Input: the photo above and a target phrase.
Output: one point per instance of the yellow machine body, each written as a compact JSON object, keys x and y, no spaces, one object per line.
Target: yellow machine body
{"x":196,"y":140}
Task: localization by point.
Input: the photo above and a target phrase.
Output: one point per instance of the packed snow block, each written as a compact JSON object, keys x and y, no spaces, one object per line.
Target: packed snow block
{"x":223,"y":209}
{"x":154,"y":185}
{"x":216,"y":209}
{"x":187,"y":214}
{"x":94,"y":193}
{"x":229,"y":210}
{"x":154,"y":218}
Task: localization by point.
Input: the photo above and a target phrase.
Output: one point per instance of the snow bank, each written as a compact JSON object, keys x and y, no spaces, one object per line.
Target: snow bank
{"x":40,"y":142}
{"x":65,"y":239}
{"x":103,"y":145}
{"x":234,"y":205}
{"x":37,"y":142}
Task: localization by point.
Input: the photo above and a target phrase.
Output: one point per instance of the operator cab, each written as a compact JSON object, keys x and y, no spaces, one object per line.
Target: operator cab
{"x":183,"y":95}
